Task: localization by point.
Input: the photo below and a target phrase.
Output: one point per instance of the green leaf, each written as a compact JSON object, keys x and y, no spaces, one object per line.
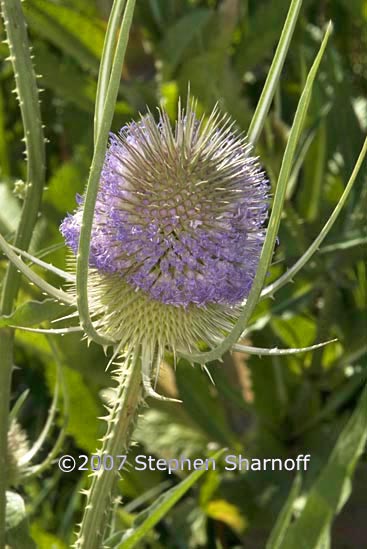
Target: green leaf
{"x":290,"y":273}
{"x":81,"y":422}
{"x":65,"y":78}
{"x":66,"y":181}
{"x":285,"y":516}
{"x":178,"y":37}
{"x":194,"y":388}
{"x":211,"y":77}
{"x":336,"y":401}
{"x":45,"y":539}
{"x":34,"y":312}
{"x":146,"y":520}
{"x":294,"y":330}
{"x":68,"y":30}
{"x":167,"y":436}
{"x":314,"y":173}
{"x":260,"y":34}
{"x":332,"y":489}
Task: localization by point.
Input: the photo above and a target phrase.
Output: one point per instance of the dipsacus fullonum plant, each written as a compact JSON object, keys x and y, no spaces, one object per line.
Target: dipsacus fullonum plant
{"x":171,"y":240}
{"x":177,"y":234}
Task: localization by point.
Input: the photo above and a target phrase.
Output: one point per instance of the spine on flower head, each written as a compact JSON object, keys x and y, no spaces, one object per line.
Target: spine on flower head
{"x":180,"y":212}
{"x":178,"y":230}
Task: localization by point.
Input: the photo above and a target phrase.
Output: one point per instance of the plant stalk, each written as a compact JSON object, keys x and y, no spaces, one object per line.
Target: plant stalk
{"x":27,"y":93}
{"x":115,"y":443}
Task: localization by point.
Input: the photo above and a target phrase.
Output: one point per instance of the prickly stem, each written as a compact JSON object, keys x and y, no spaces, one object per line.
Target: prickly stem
{"x":120,"y":422}
{"x":26,"y":90}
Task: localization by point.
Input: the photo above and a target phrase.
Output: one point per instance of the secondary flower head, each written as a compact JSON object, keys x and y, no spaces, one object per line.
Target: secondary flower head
{"x":178,"y":228}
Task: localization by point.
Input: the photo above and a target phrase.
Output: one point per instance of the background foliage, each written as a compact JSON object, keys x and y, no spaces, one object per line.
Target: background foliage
{"x":258,"y":407}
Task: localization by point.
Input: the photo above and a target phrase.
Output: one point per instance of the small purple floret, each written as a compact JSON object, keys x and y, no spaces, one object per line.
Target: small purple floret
{"x":179,"y":214}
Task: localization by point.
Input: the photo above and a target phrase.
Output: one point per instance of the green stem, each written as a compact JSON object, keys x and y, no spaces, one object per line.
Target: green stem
{"x":26,"y":89}
{"x":116,"y":442}
{"x":27,"y":92}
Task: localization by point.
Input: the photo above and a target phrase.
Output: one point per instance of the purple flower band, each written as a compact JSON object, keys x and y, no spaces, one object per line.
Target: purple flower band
{"x":180,"y":213}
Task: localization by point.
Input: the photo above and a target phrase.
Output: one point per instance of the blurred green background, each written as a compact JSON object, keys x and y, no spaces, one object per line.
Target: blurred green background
{"x":260,"y":407}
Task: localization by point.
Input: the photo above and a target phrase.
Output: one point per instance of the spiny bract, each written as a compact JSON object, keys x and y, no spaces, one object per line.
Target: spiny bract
{"x":177,"y":233}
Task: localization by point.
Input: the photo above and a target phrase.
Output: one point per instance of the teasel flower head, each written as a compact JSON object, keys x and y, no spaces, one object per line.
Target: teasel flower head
{"x":177,"y":233}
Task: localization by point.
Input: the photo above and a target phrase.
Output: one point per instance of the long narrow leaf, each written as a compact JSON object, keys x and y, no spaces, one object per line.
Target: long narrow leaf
{"x":277,"y":352}
{"x":74,"y":33}
{"x":106,"y":63}
{"x":60,"y":295}
{"x":258,"y":120}
{"x":55,"y":270}
{"x":272,"y":231}
{"x":329,"y":493}
{"x":284,"y":279}
{"x":284,"y":517}
{"x":93,"y":181}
